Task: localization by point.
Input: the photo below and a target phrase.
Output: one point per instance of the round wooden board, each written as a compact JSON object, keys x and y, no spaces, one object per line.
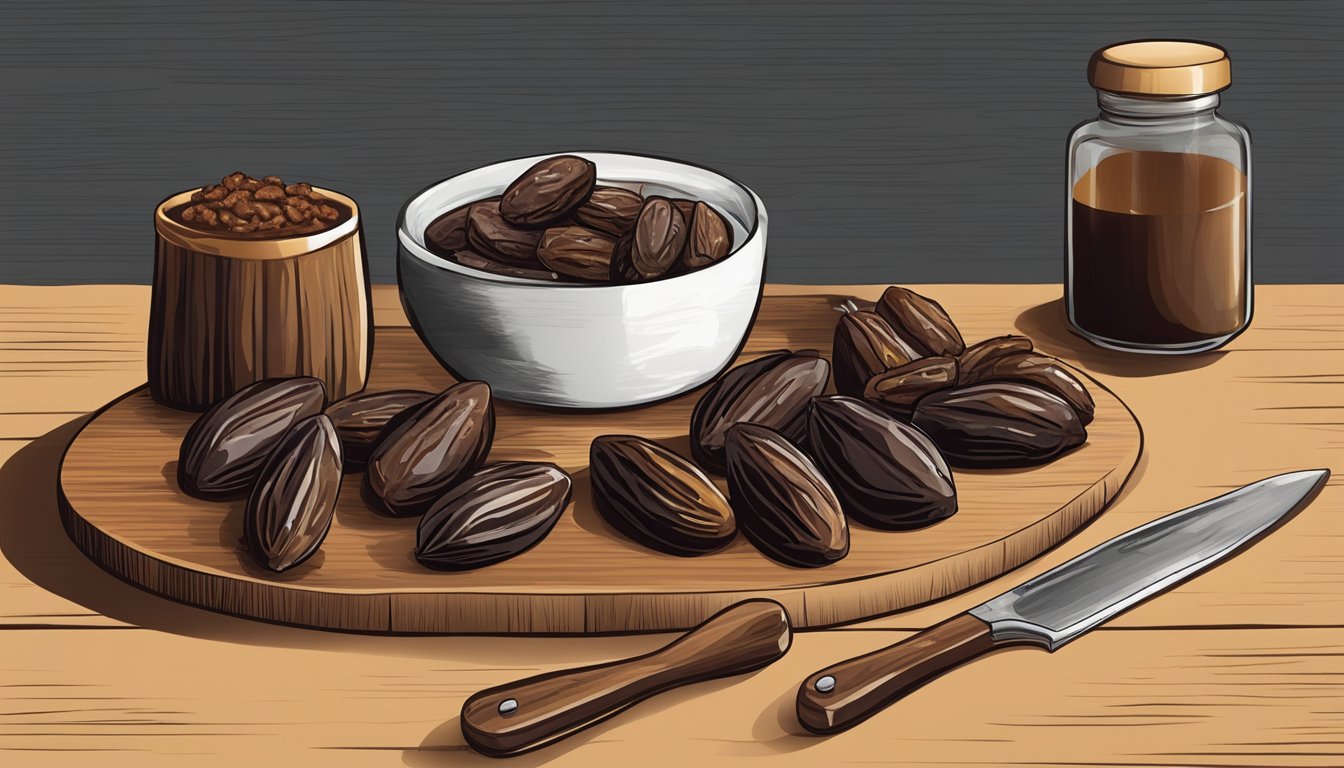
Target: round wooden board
{"x":121,"y":506}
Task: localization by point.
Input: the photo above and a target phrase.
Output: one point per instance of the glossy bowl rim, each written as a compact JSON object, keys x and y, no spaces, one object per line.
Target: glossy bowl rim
{"x":408,"y":242}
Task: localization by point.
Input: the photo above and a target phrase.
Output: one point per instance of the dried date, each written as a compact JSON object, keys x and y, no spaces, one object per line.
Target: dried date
{"x":772,"y":391}
{"x":225,"y":449}
{"x":921,"y":322}
{"x":361,"y":419}
{"x":577,"y":252}
{"x":289,"y":511}
{"x":999,"y":424}
{"x":782,"y":503}
{"x":659,"y":235}
{"x":610,"y":209}
{"x":977,"y":359}
{"x":497,"y":513}
{"x":548,"y":191}
{"x":887,"y":474}
{"x":658,"y":498}
{"x":490,"y":234}
{"x":865,"y":346}
{"x":444,"y":441}
{"x":898,"y":389}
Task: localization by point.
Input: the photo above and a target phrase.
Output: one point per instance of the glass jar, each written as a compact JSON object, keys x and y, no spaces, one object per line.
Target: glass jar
{"x":1159,"y":219}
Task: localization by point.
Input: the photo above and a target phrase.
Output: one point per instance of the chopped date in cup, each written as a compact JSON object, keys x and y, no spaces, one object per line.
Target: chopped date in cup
{"x":266,"y":207}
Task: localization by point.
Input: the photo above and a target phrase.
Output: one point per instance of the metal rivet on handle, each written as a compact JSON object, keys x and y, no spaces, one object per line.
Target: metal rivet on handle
{"x":825,"y":684}
{"x":508,"y":706}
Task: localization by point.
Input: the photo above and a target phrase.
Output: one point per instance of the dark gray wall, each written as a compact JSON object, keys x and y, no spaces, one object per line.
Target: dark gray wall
{"x":891,"y":142}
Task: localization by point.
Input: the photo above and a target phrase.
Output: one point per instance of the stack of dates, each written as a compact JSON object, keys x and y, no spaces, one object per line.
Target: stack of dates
{"x":556,"y":223}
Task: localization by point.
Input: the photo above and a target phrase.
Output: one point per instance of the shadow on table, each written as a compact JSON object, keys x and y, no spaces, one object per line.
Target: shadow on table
{"x":1048,"y":328}
{"x":34,"y":541}
{"x":32,"y":538}
{"x":445,"y":745}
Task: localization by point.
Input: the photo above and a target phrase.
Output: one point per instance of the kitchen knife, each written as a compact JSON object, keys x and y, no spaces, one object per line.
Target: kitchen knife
{"x":1062,"y":603}
{"x":520,"y":716}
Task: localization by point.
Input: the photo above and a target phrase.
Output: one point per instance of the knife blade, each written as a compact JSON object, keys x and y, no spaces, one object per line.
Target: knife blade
{"x":1062,"y":603}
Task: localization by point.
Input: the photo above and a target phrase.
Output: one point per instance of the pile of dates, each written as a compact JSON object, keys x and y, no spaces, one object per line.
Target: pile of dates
{"x":911,"y":400}
{"x":283,"y":447}
{"x":997,"y":403}
{"x":556,"y":223}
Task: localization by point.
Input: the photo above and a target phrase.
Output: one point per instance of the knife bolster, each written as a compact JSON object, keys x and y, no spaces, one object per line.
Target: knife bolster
{"x":1013,"y":631}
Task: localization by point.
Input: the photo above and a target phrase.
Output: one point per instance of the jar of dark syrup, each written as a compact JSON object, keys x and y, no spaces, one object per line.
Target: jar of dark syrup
{"x":1159,"y":222}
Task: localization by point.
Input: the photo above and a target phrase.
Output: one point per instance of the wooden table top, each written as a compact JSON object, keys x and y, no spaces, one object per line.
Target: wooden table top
{"x":1244,"y":666}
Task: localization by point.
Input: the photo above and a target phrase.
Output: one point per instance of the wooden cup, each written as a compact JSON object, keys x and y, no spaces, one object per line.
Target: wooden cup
{"x":226,"y":311}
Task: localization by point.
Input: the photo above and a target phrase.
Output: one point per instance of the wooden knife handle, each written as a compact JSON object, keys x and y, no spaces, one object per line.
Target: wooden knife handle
{"x":517,"y":717}
{"x":842,"y":696}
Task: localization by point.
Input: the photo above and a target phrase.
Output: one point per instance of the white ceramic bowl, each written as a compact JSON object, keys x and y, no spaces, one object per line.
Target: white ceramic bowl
{"x":579,"y":345}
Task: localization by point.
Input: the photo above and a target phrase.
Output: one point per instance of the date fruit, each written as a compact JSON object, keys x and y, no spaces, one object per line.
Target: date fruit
{"x":686,"y":208}
{"x":864,"y":347}
{"x":976,"y":360}
{"x":548,"y":190}
{"x":445,"y":440}
{"x":290,"y":509}
{"x":772,"y":391}
{"x":448,"y":233}
{"x":1049,"y":374}
{"x":499,"y":512}
{"x":475,"y":260}
{"x":897,"y":390}
{"x":227,"y":446}
{"x":622,"y":269}
{"x":657,"y":498}
{"x":659,"y":235}
{"x":887,"y":474}
{"x":578,"y":252}
{"x":781,"y":501}
{"x":555,"y":214}
{"x":360,"y":419}
{"x":999,"y":424}
{"x":921,"y":322}
{"x":490,"y":235}
{"x":610,"y":209}
{"x":710,"y":238}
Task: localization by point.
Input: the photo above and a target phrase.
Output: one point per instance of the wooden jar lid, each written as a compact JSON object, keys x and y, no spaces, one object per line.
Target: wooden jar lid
{"x":1160,"y":68}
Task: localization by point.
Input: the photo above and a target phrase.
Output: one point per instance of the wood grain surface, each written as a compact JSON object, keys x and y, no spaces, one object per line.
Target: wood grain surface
{"x":891,"y":141}
{"x":124,"y":509}
{"x":739,"y":639}
{"x":219,"y":323}
{"x":1243,"y":666}
{"x":859,"y":688}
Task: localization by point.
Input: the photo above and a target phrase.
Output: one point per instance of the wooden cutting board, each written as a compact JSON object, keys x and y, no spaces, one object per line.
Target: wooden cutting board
{"x":121,"y":506}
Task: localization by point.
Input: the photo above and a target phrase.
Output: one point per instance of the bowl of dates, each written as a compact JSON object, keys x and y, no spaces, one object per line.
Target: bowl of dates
{"x":584,"y":279}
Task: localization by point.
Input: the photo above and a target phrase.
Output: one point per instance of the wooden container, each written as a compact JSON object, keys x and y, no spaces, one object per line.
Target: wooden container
{"x":227,"y":311}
